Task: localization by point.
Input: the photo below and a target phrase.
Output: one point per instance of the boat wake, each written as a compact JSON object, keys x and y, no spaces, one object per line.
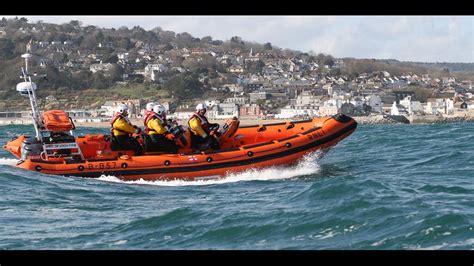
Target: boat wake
{"x":306,"y":166}
{"x":6,"y":161}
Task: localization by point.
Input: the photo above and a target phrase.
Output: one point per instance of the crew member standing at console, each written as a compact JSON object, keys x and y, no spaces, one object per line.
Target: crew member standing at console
{"x":122,"y":130}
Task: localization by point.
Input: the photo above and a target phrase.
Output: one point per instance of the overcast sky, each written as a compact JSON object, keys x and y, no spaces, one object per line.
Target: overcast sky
{"x":405,"y":38}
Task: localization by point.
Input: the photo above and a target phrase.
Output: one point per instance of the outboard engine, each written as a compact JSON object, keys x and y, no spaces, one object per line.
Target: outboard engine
{"x":31,"y":148}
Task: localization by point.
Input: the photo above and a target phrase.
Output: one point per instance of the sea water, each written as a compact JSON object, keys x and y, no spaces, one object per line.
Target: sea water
{"x":385,"y":187}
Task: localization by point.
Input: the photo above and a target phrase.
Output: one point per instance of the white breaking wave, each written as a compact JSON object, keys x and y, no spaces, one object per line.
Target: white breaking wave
{"x":306,"y":166}
{"x":5,"y":161}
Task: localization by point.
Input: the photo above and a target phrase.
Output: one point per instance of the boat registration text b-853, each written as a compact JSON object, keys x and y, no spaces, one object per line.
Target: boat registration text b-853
{"x":105,"y":165}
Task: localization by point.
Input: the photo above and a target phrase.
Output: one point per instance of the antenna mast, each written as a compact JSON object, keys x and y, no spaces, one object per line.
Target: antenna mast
{"x":28,"y":88}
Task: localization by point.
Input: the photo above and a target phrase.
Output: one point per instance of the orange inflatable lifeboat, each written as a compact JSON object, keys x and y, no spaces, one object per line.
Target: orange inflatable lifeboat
{"x":242,"y":147}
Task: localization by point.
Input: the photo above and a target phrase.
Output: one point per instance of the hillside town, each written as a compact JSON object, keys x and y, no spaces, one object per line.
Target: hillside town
{"x":248,"y":81}
{"x":308,"y":97}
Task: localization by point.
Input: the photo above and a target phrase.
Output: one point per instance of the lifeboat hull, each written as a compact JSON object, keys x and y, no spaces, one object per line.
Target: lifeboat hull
{"x":257,"y":146}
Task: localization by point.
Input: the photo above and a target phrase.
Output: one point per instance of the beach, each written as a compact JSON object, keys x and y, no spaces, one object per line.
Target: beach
{"x":373,"y":119}
{"x":139,"y":122}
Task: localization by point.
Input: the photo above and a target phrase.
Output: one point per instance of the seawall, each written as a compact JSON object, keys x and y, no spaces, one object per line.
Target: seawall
{"x":373,"y":119}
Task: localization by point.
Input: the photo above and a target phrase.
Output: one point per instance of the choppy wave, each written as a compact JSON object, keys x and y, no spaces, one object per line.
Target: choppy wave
{"x":384,"y":187}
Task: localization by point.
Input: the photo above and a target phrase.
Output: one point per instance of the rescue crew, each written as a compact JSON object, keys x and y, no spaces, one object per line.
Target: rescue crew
{"x":122,"y":130}
{"x":148,"y":109}
{"x":157,"y":129}
{"x":202,"y":136}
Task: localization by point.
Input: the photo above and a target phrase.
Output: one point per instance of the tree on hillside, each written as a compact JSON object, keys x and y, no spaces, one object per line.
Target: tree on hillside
{"x":320,"y":58}
{"x":217,"y":42}
{"x":145,"y":36}
{"x":335,"y":72}
{"x":20,"y":47}
{"x":125,"y":43}
{"x":267,"y":46}
{"x":288,"y":53}
{"x":81,"y":79}
{"x":329,"y":60}
{"x":184,"y":86}
{"x":90,"y":29}
{"x":166,"y":47}
{"x":167,"y":36}
{"x":184,"y":40}
{"x":235,"y":42}
{"x":254,"y":67}
{"x":7,"y":48}
{"x":123,"y":29}
{"x":116,"y":73}
{"x":206,"y":39}
{"x":9,"y":70}
{"x":60,"y":57}
{"x":110,"y":58}
{"x":75,"y":24}
{"x":99,"y":81}
{"x":236,"y":39}
{"x":62,"y":37}
{"x":208,"y":61}
{"x":190,"y":63}
{"x":137,"y":31}
{"x":177,"y":61}
{"x":99,"y":36}
{"x":12,"y":25}
{"x":89,"y":42}
{"x":55,"y":79}
{"x":157,"y":30}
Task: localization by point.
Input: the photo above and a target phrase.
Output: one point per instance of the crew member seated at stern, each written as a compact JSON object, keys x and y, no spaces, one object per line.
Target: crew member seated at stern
{"x":122,"y":130}
{"x":157,"y":129}
{"x":203,"y":133}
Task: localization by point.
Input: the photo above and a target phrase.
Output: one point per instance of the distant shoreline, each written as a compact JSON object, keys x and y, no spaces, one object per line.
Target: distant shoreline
{"x":418,"y":119}
{"x":376,"y":119}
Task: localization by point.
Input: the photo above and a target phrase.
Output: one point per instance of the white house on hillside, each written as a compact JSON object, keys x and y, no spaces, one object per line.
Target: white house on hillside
{"x":328,"y":110}
{"x":184,"y":112}
{"x":100,"y":67}
{"x":398,"y":109}
{"x":439,"y":106}
{"x":412,"y":107}
{"x":294,"y":111}
{"x":375,"y":102}
{"x":223,"y":111}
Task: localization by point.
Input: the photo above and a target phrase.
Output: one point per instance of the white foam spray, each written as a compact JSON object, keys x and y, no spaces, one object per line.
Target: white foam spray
{"x":7,"y":161}
{"x":306,"y":166}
